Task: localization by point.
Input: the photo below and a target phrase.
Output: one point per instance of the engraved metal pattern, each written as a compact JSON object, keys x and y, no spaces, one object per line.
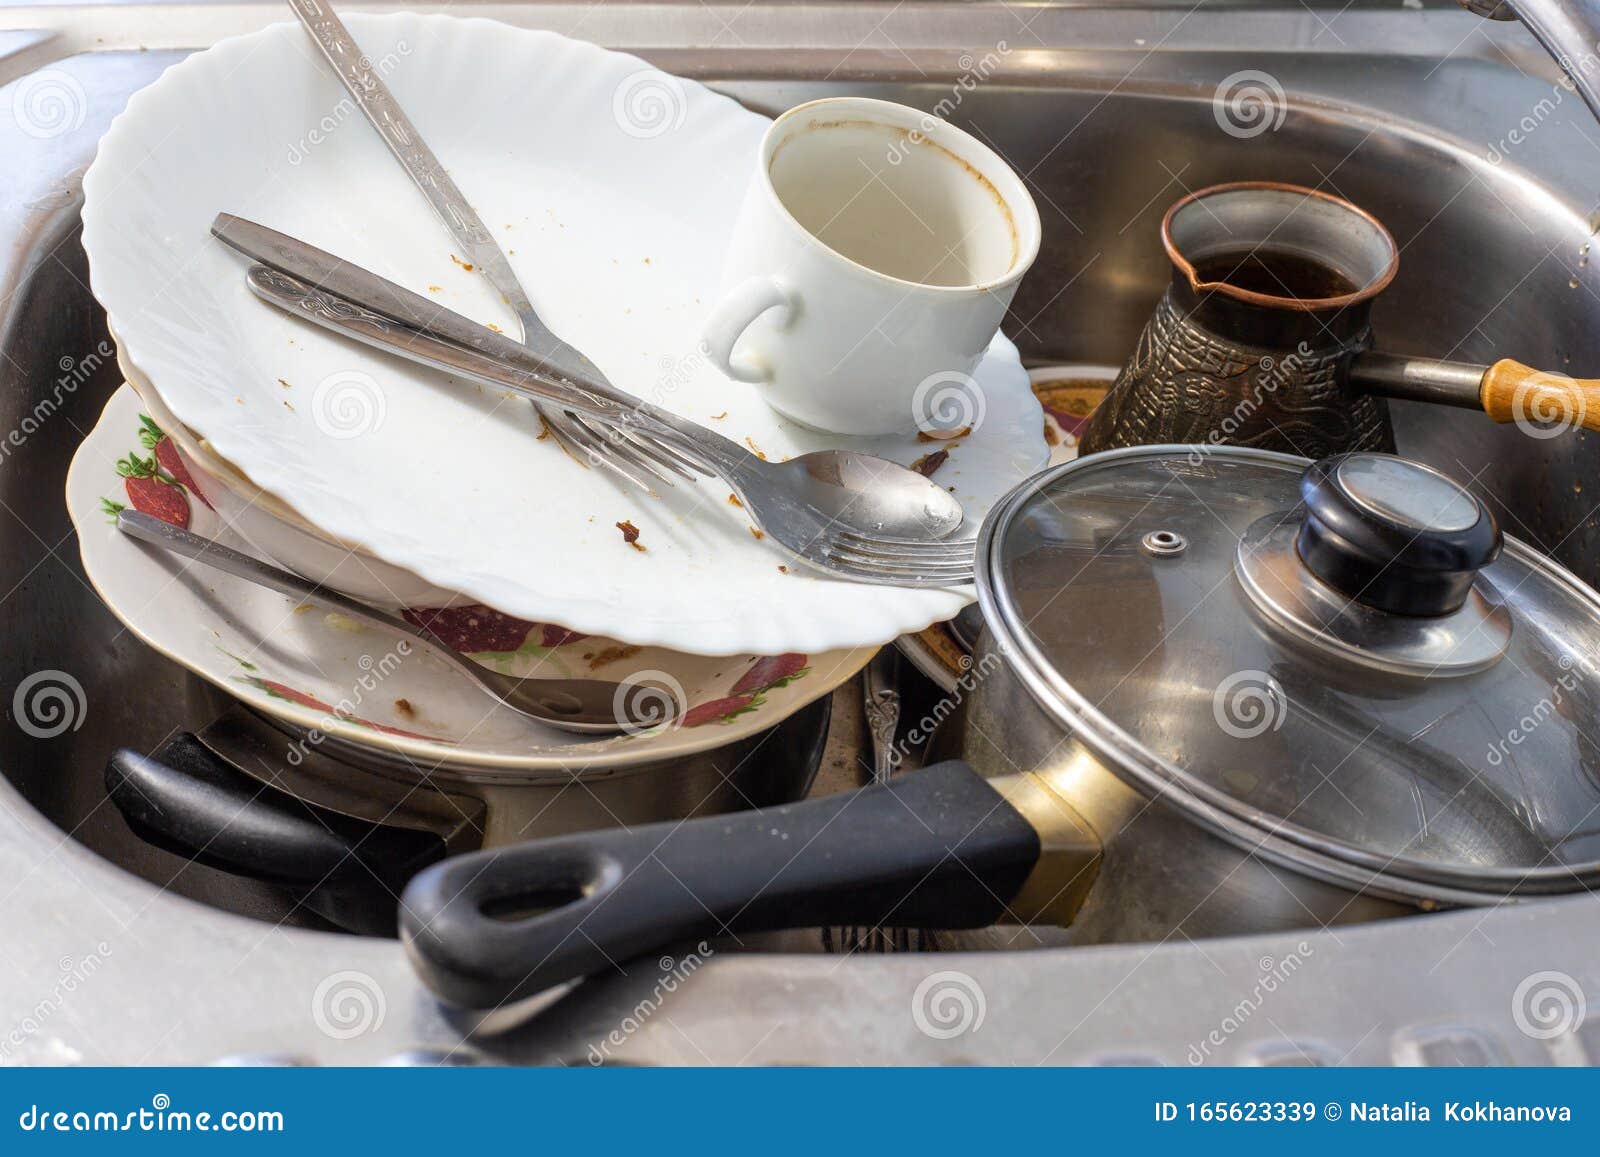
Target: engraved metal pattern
{"x":317,"y":303}
{"x":882,"y":709}
{"x":397,"y":131}
{"x":1188,"y":384}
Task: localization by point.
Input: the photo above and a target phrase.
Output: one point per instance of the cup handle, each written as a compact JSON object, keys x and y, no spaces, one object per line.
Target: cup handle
{"x":732,"y":316}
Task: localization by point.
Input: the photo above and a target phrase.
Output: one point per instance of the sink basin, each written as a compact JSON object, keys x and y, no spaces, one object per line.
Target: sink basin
{"x":1111,"y":116}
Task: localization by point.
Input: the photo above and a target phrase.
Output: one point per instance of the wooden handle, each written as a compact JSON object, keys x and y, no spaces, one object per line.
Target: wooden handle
{"x":1550,"y":402}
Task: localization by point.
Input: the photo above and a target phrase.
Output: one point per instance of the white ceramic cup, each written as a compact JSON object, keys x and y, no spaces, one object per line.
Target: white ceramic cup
{"x":876,"y":253}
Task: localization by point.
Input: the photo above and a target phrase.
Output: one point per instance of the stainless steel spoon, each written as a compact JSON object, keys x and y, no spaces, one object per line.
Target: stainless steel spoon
{"x":583,"y":705}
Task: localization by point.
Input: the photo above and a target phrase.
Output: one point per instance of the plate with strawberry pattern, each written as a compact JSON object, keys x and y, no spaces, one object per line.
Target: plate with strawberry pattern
{"x":612,"y":186}
{"x":328,"y":674}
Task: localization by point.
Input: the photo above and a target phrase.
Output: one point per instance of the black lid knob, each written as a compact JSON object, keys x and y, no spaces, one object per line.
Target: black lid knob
{"x":1394,"y":534}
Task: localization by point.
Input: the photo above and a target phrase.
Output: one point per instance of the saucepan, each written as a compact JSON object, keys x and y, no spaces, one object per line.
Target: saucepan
{"x":1220,"y":690}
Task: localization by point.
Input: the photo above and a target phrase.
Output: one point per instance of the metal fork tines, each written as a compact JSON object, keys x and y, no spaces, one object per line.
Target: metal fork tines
{"x":904,"y":562}
{"x":635,"y":457}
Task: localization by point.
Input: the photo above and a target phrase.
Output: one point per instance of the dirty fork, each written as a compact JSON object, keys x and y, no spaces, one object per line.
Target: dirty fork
{"x":634,"y":458}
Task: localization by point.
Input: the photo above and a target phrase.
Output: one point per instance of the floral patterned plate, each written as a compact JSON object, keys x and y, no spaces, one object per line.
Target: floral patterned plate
{"x":327,"y":674}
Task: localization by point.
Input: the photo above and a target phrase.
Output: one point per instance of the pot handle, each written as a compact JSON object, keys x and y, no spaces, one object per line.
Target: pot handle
{"x":936,"y":848}
{"x":1548,"y":402}
{"x":189,"y":801}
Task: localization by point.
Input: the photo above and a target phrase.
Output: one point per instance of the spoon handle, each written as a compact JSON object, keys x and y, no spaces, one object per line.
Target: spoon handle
{"x":148,"y":528}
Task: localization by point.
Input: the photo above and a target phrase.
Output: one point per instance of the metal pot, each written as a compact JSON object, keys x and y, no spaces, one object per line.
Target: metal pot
{"x":344,"y":828}
{"x":1220,"y":691}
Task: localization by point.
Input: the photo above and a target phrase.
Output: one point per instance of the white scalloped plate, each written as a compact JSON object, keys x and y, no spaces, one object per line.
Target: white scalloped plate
{"x":612,"y":187}
{"x":323,"y":671}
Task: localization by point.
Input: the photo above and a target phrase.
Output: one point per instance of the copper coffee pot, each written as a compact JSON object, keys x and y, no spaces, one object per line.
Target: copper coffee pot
{"x":1263,"y":338}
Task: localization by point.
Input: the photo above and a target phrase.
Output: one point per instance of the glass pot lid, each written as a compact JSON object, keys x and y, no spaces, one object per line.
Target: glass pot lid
{"x":1344,"y":655}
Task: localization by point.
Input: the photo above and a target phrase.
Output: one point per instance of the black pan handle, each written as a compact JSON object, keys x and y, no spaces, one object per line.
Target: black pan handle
{"x":195,"y":804}
{"x":937,"y":848}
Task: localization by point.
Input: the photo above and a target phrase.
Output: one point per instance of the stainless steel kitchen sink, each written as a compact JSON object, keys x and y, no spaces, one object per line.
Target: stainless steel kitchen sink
{"x":1455,"y":132}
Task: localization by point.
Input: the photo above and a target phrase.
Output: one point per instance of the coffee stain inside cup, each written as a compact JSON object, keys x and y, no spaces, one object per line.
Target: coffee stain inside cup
{"x":898,"y":141}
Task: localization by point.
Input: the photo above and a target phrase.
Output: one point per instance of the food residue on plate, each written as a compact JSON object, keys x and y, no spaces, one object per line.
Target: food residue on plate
{"x":733,"y":500}
{"x":928,"y":463}
{"x":611,"y":655}
{"x":760,"y":534}
{"x":719,"y":417}
{"x":943,"y":435}
{"x":404,"y":708}
{"x":285,"y":384}
{"x":630,"y":534}
{"x":467,"y":265}
{"x":754,"y":449}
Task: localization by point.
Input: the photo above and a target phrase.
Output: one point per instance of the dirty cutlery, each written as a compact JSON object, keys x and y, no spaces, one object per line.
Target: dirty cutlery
{"x":843,"y":512}
{"x":582,"y":705}
{"x":612,"y":449}
{"x":880,"y":703}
